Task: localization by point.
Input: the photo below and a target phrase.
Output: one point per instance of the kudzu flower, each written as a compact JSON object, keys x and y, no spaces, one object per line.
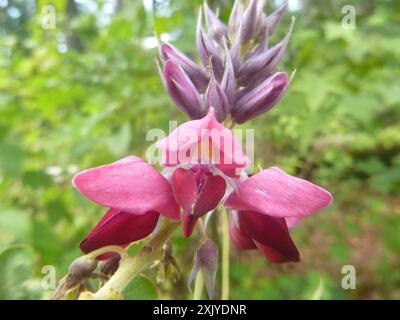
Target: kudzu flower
{"x":237,"y":75}
{"x":201,"y":155}
{"x":265,"y":205}
{"x":204,"y":163}
{"x":127,"y":187}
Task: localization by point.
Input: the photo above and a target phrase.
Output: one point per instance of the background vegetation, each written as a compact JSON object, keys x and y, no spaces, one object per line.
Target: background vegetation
{"x":86,"y":92}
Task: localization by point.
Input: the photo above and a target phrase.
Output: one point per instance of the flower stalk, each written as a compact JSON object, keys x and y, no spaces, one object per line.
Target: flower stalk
{"x":198,"y":286}
{"x":132,"y":266}
{"x":225,"y":256}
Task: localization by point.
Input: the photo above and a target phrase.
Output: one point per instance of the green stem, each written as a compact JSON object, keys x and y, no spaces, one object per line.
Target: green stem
{"x":198,"y":286}
{"x":225,"y":256}
{"x":115,"y":249}
{"x":131,"y":266}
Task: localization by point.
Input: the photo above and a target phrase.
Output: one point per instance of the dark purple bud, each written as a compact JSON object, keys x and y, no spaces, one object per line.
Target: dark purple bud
{"x":195,"y":73}
{"x":182,"y":90}
{"x":82,"y":267}
{"x":260,"y":99}
{"x":249,"y":21}
{"x":209,"y":50}
{"x":110,"y":265}
{"x":228,"y":83}
{"x":235,"y":19}
{"x":260,"y":48}
{"x":216,"y":98}
{"x":273,"y":19}
{"x":261,"y":65}
{"x":216,"y":28}
{"x":234,"y":51}
{"x":206,"y":261}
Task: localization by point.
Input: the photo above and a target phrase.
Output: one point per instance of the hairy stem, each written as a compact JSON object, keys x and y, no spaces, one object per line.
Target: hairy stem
{"x":131,"y":266}
{"x":225,"y":256}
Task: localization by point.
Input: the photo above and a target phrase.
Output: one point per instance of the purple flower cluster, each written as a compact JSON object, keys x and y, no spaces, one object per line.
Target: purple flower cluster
{"x":237,"y":75}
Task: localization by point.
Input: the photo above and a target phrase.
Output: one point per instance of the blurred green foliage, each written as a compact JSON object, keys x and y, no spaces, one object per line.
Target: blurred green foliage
{"x":86,"y":92}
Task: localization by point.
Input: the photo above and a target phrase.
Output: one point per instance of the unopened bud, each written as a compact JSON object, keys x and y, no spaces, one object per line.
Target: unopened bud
{"x":261,"y":98}
{"x":111,"y":265}
{"x":206,"y":260}
{"x":82,"y":267}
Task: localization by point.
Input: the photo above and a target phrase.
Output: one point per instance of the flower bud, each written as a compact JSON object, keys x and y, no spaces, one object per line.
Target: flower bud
{"x":209,"y":50}
{"x":260,"y":66}
{"x":195,"y":73}
{"x":261,"y":98}
{"x":215,"y":27}
{"x":182,"y":90}
{"x":273,"y":19}
{"x":249,"y":22}
{"x":206,"y":261}
{"x":235,"y":19}
{"x":110,"y":265}
{"x":216,"y":98}
{"x":82,"y":267}
{"x":228,"y":82}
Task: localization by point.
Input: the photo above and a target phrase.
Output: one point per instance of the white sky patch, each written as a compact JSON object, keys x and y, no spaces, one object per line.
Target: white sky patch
{"x":53,"y":170}
{"x":13,"y":12}
{"x":148,"y":5}
{"x":152,"y":42}
{"x":3,"y":3}
{"x":293,"y":5}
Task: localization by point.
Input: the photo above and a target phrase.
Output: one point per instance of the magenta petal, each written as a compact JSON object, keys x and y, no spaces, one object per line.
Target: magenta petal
{"x":197,"y":192}
{"x":183,"y":144}
{"x":119,"y":228}
{"x":130,"y":185}
{"x":239,"y":238}
{"x":275,"y":193}
{"x":211,"y":193}
{"x":188,"y":224}
{"x":270,"y":235}
{"x":292,"y":221}
{"x":185,"y":188}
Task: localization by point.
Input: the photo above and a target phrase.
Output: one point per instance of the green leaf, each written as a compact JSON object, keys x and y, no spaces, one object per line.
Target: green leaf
{"x":14,"y":225}
{"x":118,"y":143}
{"x":11,"y":158}
{"x":16,"y":266}
{"x":36,"y":179}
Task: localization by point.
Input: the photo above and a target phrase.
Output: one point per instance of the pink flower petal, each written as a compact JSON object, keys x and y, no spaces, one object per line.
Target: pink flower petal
{"x":119,"y":228}
{"x":188,"y":223}
{"x":270,"y":235}
{"x":197,"y":191}
{"x":204,"y":141}
{"x":210,"y":195}
{"x":184,"y":186}
{"x":277,"y":194}
{"x":130,"y":185}
{"x":239,"y":238}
